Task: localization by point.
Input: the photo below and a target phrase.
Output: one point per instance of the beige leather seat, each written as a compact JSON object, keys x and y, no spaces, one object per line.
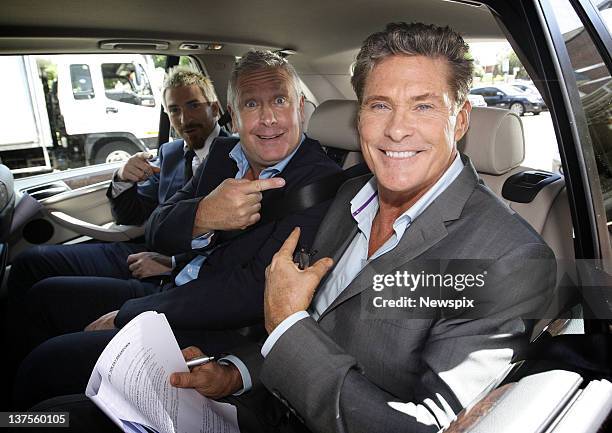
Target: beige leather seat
{"x":496,"y":145}
{"x":334,"y":124}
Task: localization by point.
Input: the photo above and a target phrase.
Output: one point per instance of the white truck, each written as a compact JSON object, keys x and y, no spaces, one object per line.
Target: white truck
{"x":67,"y":111}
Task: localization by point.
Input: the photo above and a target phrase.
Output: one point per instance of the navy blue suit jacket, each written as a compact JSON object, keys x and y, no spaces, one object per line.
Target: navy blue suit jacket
{"x":136,"y":204}
{"x":229,"y":289}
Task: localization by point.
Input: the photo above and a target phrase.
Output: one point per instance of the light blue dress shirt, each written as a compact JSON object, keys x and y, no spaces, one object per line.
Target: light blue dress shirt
{"x":364,"y":207}
{"x":192,"y":269}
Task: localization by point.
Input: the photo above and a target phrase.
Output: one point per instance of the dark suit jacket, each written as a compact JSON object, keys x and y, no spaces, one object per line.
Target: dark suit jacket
{"x":136,"y":204}
{"x":229,"y":289}
{"x":358,"y":370}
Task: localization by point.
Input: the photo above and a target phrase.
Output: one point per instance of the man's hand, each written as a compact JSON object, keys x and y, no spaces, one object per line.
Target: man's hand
{"x":103,"y":323}
{"x":234,"y":204}
{"x":148,"y":263}
{"x":211,"y":380}
{"x":289,"y":289}
{"x":137,"y":168}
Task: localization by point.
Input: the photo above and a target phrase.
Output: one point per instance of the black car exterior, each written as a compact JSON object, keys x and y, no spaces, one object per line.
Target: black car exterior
{"x":510,"y":98}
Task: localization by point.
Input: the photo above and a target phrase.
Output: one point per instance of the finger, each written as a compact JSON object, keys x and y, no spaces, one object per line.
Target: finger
{"x":135,"y":172}
{"x":133,"y":267}
{"x":129,"y":173}
{"x":253,"y":219}
{"x":255,"y":208}
{"x":92,"y":326}
{"x":184,"y":380}
{"x":290,"y":243}
{"x":133,"y":257}
{"x":253,"y":198}
{"x":191,"y":352}
{"x":321,"y":267}
{"x":261,"y":185}
{"x":155,"y":169}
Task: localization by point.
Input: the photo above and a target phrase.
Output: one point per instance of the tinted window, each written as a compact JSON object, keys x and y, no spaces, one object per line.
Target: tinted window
{"x":595,"y":89}
{"x":127,"y":82}
{"x":82,"y":87}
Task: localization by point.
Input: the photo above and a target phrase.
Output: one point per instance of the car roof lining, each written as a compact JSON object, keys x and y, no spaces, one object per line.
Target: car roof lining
{"x":61,"y":26}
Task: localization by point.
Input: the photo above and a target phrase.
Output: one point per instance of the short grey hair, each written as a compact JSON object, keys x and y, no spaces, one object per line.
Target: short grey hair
{"x":257,"y":60}
{"x":416,"y":39}
{"x":179,"y":76}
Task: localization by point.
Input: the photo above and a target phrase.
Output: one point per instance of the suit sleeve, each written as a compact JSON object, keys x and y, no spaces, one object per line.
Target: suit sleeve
{"x":328,"y":388}
{"x":169,"y":228}
{"x":231,"y":297}
{"x":133,"y":206}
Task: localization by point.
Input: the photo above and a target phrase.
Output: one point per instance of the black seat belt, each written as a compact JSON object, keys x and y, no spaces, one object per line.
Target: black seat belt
{"x":281,"y":206}
{"x":311,"y":195}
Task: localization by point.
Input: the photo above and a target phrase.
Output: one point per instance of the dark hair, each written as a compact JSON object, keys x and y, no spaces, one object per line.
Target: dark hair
{"x":416,"y":39}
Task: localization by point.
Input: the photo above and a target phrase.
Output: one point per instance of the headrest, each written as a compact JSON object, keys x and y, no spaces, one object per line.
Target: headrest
{"x":334,"y":124}
{"x":495,"y":141}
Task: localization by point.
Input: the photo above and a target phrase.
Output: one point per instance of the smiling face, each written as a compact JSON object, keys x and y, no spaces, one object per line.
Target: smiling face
{"x":191,"y":115}
{"x":408,"y":125}
{"x":269,"y":118}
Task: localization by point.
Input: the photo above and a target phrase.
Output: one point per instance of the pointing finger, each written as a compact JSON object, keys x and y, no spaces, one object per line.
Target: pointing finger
{"x":290,"y":243}
{"x":261,"y":185}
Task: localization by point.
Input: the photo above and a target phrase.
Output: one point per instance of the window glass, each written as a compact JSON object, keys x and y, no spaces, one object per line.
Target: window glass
{"x":127,"y":82}
{"x":82,"y":87}
{"x":595,"y":89}
{"x":74,"y":110}
{"x":497,"y":69}
{"x":605,"y":9}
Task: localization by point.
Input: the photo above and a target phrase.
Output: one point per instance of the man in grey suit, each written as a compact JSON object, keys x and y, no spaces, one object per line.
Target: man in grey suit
{"x":352,"y":356}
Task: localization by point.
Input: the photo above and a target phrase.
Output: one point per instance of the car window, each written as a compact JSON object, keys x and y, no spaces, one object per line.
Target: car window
{"x":595,"y":90}
{"x":605,"y":10}
{"x":80,"y":109}
{"x":82,"y":87}
{"x":496,"y":69}
{"x":127,"y":82}
{"x":509,"y":90}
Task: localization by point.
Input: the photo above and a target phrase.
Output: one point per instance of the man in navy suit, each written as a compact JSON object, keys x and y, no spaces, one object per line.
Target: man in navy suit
{"x":137,"y":188}
{"x":220,"y":219}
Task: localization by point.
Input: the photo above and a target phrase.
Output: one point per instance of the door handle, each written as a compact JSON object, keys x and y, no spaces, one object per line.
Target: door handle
{"x":111,"y":110}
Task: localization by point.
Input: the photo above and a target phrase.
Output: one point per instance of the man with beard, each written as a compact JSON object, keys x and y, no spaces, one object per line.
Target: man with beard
{"x":136,"y":189}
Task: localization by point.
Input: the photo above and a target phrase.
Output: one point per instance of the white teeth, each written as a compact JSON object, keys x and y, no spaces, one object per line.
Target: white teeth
{"x":399,"y":155}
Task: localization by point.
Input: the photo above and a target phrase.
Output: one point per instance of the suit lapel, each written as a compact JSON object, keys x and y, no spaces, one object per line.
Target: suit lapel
{"x":425,"y":232}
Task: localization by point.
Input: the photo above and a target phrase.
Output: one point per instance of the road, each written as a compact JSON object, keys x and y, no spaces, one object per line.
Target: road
{"x":540,"y":142}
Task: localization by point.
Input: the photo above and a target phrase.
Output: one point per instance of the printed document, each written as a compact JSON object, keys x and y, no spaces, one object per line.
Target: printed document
{"x":130,"y":383}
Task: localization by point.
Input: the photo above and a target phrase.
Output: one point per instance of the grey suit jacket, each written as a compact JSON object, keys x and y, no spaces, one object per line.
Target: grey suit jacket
{"x":351,"y":372}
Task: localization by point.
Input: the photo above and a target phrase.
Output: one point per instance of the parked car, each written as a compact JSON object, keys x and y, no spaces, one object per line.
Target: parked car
{"x":505,"y":96}
{"x":477,"y":100}
{"x":530,"y":89}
